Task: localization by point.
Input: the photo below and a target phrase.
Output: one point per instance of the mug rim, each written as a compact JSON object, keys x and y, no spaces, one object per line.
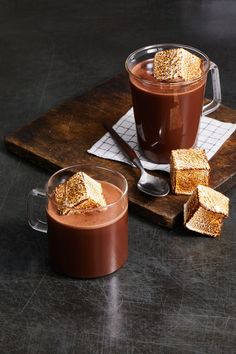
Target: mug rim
{"x":110,"y":205}
{"x":173,"y":45}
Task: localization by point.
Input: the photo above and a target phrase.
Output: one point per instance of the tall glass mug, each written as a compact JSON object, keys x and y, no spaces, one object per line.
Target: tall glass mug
{"x":94,"y":242}
{"x":167,"y":114}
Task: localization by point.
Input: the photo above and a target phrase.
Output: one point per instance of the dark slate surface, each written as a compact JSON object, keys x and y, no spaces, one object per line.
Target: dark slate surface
{"x":177,"y":292}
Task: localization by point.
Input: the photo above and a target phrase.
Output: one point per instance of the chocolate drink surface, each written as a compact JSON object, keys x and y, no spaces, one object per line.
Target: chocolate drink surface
{"x":167,"y":115}
{"x":90,"y":243}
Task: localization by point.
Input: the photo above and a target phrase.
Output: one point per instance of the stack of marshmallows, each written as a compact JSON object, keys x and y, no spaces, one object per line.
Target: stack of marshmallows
{"x":206,"y":208}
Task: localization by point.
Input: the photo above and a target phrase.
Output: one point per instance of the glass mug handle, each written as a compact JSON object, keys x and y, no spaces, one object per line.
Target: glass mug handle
{"x":35,"y":220}
{"x":215,"y":103}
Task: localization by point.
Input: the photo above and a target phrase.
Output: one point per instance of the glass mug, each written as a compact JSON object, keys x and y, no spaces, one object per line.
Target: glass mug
{"x":92,"y":243}
{"x":167,"y":114}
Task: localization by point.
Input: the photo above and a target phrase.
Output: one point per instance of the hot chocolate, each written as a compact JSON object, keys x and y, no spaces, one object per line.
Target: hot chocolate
{"x":87,"y":220}
{"x":92,"y":242}
{"x":166,"y":114}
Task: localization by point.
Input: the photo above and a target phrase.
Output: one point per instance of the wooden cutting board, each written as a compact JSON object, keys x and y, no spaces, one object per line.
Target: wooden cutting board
{"x":62,"y":137}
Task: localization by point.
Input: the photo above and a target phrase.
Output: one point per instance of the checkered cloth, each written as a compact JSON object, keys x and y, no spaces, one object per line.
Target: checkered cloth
{"x":212,"y":135}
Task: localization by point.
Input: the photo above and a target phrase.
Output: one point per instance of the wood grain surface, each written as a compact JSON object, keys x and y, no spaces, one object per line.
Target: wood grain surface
{"x":63,"y":135}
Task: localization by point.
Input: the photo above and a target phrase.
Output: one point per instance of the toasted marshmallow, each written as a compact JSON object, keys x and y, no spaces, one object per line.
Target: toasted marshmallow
{"x":205,"y":211}
{"x":79,"y":192}
{"x":176,"y":65}
{"x":188,"y":169}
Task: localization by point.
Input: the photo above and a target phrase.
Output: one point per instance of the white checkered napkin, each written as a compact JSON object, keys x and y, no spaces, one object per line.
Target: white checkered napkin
{"x":212,"y":135}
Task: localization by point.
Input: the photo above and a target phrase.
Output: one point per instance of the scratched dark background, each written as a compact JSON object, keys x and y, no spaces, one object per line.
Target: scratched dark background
{"x":177,"y":292}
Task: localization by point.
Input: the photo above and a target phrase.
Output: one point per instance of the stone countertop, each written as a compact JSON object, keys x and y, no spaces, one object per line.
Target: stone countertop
{"x":177,"y":292}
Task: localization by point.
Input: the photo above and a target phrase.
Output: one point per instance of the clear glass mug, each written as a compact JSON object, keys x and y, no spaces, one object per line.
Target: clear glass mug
{"x":167,"y":114}
{"x":92,"y":243}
